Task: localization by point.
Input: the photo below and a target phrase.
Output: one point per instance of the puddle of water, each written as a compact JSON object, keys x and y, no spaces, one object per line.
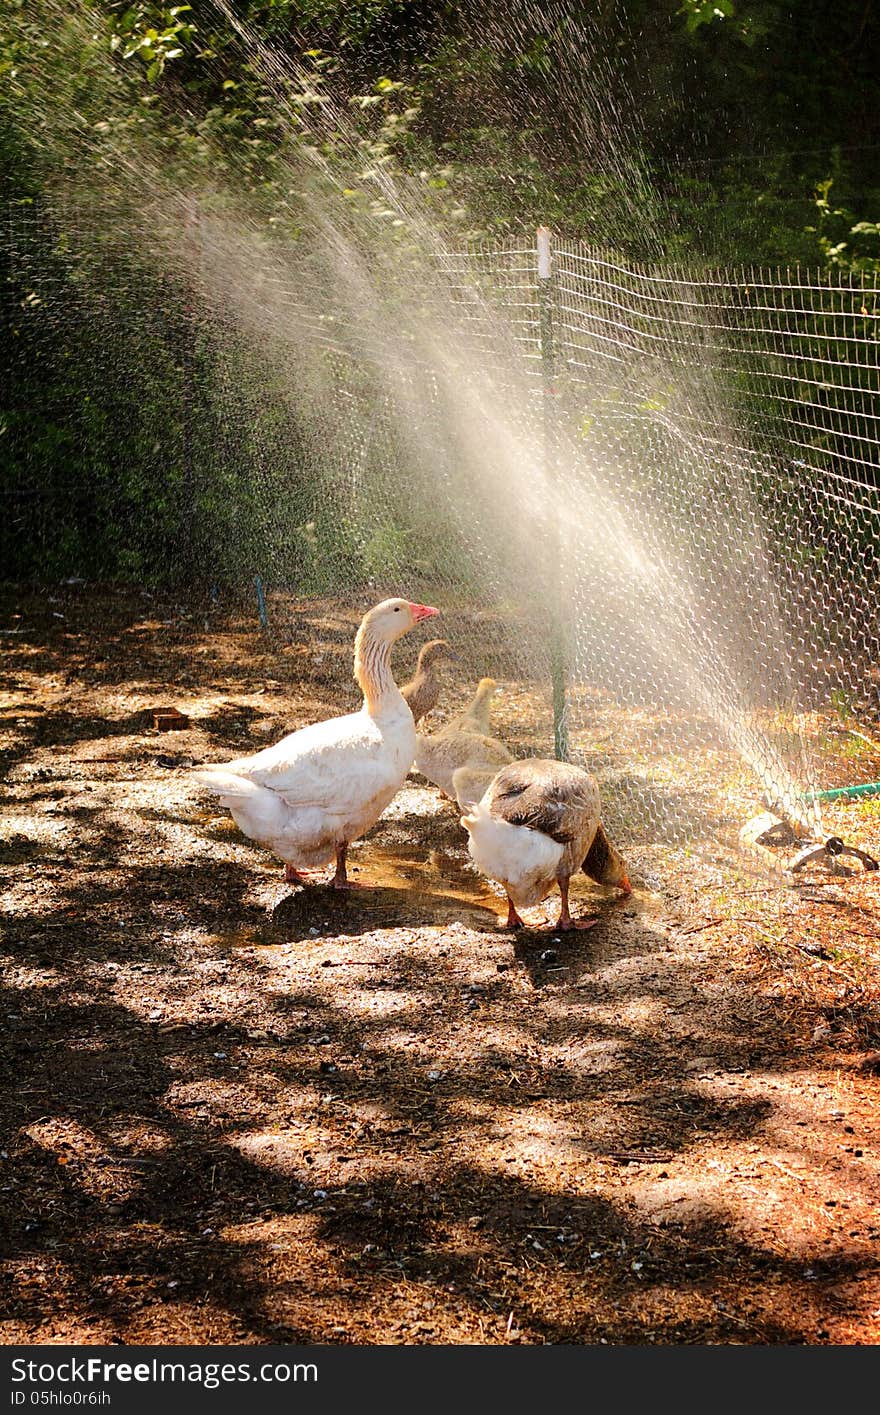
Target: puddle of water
{"x":413,"y":871}
{"x":397,"y":887}
{"x":427,"y":873}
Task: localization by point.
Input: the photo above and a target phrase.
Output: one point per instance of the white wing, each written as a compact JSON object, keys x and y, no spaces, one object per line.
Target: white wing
{"x":329,"y":762}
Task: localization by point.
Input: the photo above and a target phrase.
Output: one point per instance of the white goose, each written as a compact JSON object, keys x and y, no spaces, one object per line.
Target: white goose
{"x":307,"y":797}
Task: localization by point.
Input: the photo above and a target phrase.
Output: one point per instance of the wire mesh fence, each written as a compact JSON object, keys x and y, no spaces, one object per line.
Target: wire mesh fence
{"x":669,"y":479}
{"x":729,"y":420}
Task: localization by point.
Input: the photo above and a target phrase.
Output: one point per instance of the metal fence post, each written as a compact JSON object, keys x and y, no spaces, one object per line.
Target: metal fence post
{"x":546,"y":302}
{"x":188,"y":335}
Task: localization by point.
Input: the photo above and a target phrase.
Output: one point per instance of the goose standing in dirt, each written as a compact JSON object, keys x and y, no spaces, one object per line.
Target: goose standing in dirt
{"x":463,"y":744}
{"x":423,"y":691}
{"x":538,"y":823}
{"x":439,"y":757}
{"x":475,"y":717}
{"x":310,"y":795}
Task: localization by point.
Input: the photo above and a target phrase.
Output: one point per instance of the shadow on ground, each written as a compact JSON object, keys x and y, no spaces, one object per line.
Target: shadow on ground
{"x":233,"y":1111}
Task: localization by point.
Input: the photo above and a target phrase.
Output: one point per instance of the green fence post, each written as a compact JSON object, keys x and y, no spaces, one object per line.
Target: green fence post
{"x":546,"y":301}
{"x":187,"y":349}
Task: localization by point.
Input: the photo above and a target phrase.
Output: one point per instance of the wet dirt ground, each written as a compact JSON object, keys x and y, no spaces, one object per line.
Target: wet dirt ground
{"x":234,"y":1111}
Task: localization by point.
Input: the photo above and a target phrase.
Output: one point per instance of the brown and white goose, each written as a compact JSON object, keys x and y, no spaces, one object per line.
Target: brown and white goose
{"x":537,"y":824}
{"x":423,"y":691}
{"x":463,"y":746}
{"x":441,"y":756}
{"x":308,"y":796}
{"x":475,"y":717}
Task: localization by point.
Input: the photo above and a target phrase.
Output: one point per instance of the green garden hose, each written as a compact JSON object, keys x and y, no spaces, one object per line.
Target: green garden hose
{"x":841,"y":793}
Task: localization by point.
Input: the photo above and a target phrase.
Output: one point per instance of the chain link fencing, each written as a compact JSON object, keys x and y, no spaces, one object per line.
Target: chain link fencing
{"x":665,"y":481}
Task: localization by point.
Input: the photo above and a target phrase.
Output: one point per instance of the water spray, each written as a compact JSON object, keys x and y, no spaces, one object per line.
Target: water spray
{"x":395,"y":360}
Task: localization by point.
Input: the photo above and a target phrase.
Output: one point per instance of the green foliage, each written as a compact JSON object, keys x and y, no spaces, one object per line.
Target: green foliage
{"x":728,"y":110}
{"x":720,"y":131}
{"x":705,"y":12}
{"x":842,"y":703}
{"x":156,"y":34}
{"x":845,"y":243}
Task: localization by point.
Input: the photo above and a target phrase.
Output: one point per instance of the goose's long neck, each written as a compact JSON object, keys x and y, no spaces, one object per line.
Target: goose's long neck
{"x":372,"y":669}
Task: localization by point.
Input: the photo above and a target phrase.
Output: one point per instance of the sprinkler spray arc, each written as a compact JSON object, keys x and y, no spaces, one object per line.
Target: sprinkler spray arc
{"x":633,"y":448}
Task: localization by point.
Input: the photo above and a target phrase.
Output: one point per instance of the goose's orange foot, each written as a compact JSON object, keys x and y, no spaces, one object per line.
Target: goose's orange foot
{"x":292,"y":876}
{"x":565,"y":922}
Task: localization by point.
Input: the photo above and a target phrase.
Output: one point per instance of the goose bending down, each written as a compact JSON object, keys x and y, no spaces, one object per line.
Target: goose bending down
{"x":423,"y":691}
{"x":537,"y":824}
{"x":475,"y":717}
{"x":308,"y":796}
{"x":439,"y":757}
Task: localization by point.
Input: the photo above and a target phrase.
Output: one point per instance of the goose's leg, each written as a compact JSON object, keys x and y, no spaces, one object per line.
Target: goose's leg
{"x":341,"y":880}
{"x":513,"y":919}
{"x":565,"y":921}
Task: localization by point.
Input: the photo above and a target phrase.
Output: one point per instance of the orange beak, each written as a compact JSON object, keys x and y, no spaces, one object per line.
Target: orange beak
{"x":625,"y":886}
{"x":422,"y":611}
